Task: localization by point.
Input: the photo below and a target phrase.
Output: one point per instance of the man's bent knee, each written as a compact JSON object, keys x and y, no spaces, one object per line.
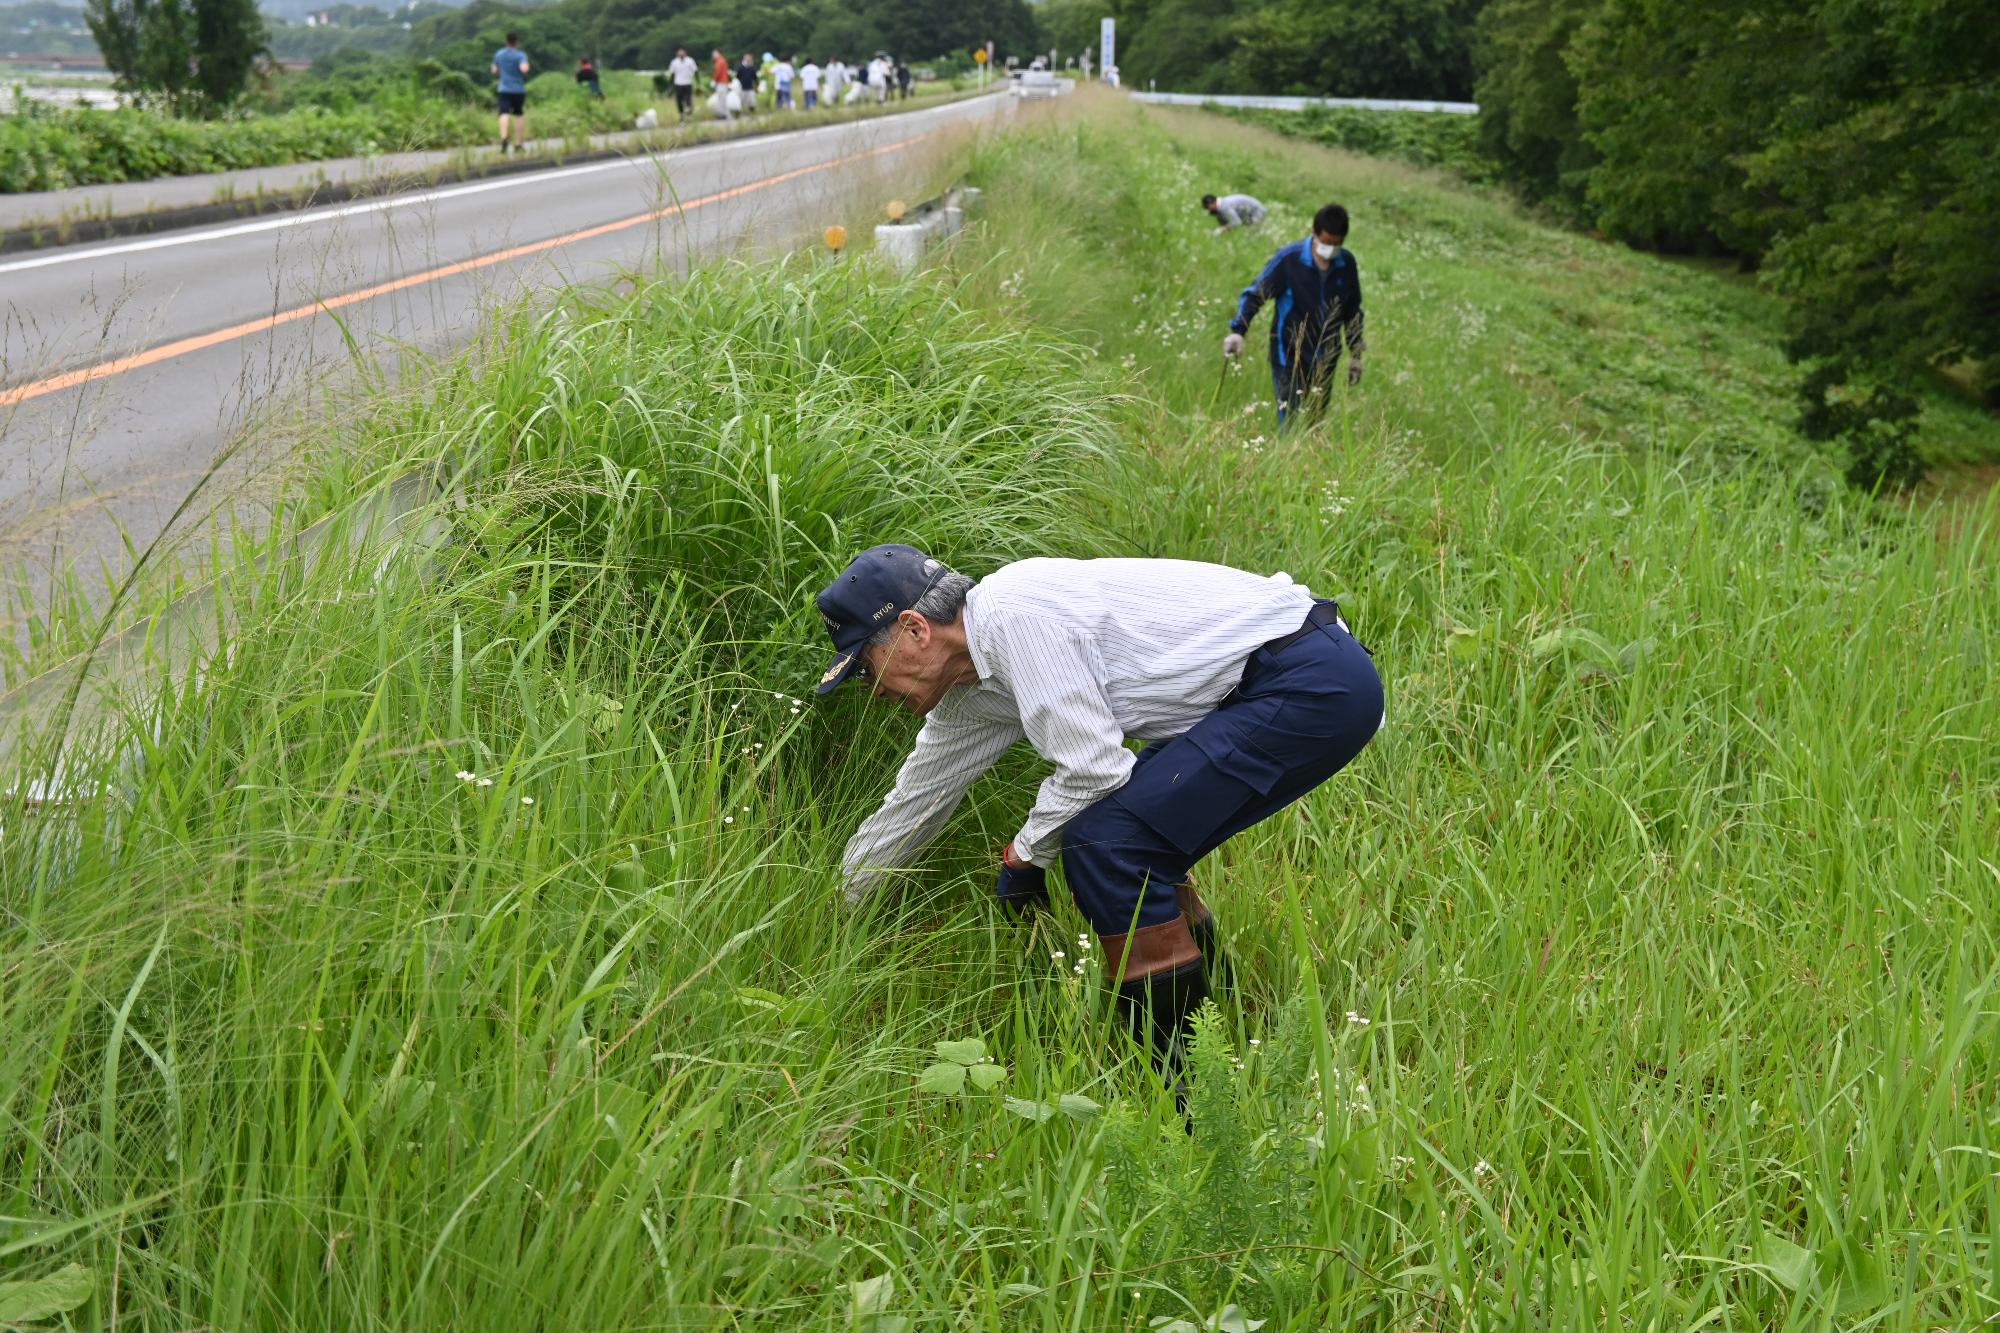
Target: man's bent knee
{"x":1129,"y":886}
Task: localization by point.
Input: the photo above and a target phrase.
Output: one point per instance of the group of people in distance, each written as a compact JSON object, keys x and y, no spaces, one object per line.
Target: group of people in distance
{"x":794,"y":84}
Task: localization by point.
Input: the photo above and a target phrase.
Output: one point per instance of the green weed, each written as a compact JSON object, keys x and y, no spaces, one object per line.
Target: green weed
{"x":458,"y":944}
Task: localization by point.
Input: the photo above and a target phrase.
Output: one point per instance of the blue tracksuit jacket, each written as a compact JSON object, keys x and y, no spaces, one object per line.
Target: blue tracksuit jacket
{"x":1307,"y":305}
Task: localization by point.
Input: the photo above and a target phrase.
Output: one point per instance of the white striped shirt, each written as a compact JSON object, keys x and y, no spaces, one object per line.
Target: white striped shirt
{"x":1076,"y":656}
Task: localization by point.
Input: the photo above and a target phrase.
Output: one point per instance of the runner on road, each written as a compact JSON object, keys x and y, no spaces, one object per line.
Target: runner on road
{"x":510,"y":65}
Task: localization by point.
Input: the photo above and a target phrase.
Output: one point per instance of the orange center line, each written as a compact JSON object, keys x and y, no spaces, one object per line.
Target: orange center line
{"x":184,"y":346}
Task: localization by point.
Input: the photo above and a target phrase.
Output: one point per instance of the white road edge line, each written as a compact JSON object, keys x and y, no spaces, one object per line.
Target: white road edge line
{"x":308,"y":217}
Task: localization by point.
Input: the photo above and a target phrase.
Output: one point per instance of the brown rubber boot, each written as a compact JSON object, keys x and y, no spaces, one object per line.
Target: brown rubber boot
{"x":1201,"y":925}
{"x":1161,"y":982}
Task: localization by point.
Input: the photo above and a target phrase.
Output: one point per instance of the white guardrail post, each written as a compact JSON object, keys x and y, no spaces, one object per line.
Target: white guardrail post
{"x":903,"y":243}
{"x":1301,"y":103}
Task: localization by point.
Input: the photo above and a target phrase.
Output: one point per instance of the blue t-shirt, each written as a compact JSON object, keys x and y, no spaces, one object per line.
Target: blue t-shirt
{"x":511,"y":60}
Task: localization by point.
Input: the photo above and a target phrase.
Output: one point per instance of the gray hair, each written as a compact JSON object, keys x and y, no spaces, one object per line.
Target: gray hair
{"x":941,"y":604}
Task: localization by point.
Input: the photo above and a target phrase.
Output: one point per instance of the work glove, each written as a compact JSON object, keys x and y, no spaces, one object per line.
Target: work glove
{"x":1023,"y":888}
{"x":1233,"y":345}
{"x":1354,"y":372}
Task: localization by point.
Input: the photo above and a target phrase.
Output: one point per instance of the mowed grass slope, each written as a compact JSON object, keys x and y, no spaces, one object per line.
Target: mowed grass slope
{"x":1640,"y":974}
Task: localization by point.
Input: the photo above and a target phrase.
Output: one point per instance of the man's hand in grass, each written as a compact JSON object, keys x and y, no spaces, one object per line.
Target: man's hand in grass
{"x":1023,"y":888}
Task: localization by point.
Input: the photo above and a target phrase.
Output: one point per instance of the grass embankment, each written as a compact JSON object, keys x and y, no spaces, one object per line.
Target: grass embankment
{"x":42,"y":148}
{"x":1640,"y":974}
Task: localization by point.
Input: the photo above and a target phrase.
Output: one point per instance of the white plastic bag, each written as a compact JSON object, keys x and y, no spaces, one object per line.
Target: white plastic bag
{"x":852,"y":95}
{"x":735,"y":100}
{"x":648,"y":119}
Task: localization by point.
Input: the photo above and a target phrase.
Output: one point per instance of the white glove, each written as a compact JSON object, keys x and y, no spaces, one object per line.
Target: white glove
{"x":1233,"y":345}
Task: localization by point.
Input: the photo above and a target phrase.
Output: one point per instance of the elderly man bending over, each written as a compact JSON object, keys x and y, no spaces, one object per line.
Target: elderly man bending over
{"x":1250,"y":692}
{"x":1234,"y":210}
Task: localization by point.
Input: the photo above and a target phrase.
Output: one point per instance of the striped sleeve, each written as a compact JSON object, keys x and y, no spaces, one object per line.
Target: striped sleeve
{"x":1057,"y":683}
{"x":948,"y":757}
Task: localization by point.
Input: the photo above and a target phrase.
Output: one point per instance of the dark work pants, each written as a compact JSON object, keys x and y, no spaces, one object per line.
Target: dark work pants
{"x":684,"y":99}
{"x":1300,"y":714}
{"x":1291,"y":384}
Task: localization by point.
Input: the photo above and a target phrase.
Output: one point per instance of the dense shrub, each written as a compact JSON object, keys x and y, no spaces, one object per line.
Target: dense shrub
{"x":1427,"y":138}
{"x":46,"y":149}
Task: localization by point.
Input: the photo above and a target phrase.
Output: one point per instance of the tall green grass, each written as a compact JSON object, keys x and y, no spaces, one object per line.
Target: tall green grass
{"x":1640,"y":974}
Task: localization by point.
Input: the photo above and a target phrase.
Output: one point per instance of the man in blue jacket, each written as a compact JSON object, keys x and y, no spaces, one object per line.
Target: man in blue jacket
{"x":1315,"y":291}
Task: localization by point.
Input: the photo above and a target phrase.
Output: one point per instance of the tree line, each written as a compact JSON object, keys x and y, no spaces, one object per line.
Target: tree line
{"x":1355,"y":48}
{"x":1845,"y":148}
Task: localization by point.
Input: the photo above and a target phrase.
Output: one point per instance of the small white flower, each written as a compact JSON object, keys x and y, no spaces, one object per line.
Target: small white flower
{"x":1078,"y":969}
{"x":1482,"y":1168}
{"x":746,"y":809}
{"x":1058,"y":954}
{"x":464,"y":776}
{"x":1356,"y":1019}
{"x":777,"y":696}
{"x":1255,"y":1042}
{"x":486,"y":782}
{"x":729,"y":819}
{"x":527,"y":800}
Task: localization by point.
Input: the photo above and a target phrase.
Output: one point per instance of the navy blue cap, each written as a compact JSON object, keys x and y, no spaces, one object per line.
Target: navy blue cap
{"x":880,"y":584}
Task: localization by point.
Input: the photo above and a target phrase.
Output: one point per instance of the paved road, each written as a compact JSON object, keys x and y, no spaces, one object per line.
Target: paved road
{"x":126,"y":367}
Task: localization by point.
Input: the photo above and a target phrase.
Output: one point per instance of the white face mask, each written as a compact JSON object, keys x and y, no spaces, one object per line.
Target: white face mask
{"x":1321,"y":250}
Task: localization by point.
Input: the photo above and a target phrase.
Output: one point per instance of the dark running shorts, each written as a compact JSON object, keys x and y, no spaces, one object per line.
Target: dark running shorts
{"x":513,"y":104}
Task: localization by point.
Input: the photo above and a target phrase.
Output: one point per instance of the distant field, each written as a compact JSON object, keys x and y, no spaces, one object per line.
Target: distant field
{"x":459,"y":948}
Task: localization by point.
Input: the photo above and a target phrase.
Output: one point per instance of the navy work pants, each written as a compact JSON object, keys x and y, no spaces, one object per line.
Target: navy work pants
{"x":1303,"y":710}
{"x":1293,"y":384}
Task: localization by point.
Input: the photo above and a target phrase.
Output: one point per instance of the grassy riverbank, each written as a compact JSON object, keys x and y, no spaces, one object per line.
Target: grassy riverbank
{"x":458,"y":946}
